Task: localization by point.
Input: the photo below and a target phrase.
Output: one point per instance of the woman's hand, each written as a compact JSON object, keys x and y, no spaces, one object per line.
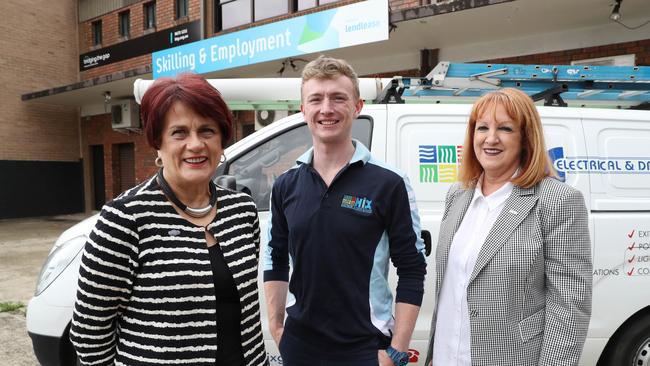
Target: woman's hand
{"x":383,"y":358}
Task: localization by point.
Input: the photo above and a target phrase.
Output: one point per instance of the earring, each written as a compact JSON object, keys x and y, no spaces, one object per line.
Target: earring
{"x":222,"y":159}
{"x":158,"y":162}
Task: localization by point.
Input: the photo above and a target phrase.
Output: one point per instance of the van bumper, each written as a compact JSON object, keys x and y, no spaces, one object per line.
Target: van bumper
{"x":49,"y":329}
{"x":52,"y":351}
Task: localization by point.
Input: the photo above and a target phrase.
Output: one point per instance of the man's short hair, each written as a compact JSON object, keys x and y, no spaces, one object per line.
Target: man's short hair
{"x":329,"y":68}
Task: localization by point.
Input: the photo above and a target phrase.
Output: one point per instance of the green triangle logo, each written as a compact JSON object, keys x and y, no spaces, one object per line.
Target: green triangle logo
{"x":309,"y":35}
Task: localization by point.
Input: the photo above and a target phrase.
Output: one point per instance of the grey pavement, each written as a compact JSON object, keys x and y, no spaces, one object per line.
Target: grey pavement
{"x":24,"y":244}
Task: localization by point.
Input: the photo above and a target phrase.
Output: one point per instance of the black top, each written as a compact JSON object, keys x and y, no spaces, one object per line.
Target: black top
{"x":229,"y":349}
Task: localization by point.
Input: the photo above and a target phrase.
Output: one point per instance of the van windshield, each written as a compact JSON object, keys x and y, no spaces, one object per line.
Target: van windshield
{"x":258,"y":168}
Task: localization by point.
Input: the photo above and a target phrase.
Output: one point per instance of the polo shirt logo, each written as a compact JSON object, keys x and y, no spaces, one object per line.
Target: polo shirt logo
{"x":360,"y":204}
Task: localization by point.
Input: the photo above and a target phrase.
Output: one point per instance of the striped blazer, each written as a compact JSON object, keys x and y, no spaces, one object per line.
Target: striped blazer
{"x":146,"y":290}
{"x":529,"y":295}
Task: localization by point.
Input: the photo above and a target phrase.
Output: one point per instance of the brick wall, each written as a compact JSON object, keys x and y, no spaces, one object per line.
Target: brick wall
{"x":403,"y":4}
{"x":35,"y":59}
{"x":110,"y":32}
{"x":97,"y":130}
{"x":641,"y":50}
{"x":165,"y":19}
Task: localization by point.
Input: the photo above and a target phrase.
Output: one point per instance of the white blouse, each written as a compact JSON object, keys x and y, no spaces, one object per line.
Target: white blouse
{"x":452,"y":343}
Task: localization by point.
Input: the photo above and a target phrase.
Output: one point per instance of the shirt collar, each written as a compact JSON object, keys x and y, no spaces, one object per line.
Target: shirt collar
{"x":361,"y":154}
{"x":496,"y":198}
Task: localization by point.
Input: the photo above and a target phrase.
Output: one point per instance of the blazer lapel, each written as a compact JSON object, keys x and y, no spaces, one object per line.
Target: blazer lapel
{"x":455,"y":216}
{"x":517,"y":207}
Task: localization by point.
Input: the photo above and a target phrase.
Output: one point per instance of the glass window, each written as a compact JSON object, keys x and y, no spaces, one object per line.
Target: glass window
{"x":270,"y":8}
{"x":235,"y":12}
{"x":125,"y":23}
{"x":306,"y":4}
{"x":97,"y":32}
{"x":181,"y":8}
{"x":150,"y":15}
{"x":258,"y":168}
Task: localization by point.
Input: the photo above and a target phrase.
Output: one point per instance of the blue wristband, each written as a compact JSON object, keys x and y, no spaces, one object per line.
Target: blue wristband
{"x":399,"y":358}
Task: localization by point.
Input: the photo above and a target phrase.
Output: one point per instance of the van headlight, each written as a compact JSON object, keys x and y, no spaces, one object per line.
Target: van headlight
{"x":57,"y":261}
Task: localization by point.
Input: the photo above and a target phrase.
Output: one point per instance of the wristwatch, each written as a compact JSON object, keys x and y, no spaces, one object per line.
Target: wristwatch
{"x":399,"y":358}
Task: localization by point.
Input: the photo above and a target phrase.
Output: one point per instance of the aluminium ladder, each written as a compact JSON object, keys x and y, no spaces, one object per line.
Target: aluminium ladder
{"x":557,"y":85}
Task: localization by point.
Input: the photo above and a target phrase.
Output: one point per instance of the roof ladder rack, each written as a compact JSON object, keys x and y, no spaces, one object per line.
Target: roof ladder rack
{"x":557,"y":85}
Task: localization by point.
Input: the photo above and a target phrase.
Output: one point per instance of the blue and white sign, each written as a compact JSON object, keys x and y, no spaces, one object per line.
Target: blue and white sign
{"x":614,"y":165}
{"x":349,"y":25}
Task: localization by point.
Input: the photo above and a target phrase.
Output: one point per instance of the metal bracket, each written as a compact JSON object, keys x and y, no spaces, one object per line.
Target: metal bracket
{"x":392,"y":94}
{"x":483,"y":76}
{"x":552,"y":96}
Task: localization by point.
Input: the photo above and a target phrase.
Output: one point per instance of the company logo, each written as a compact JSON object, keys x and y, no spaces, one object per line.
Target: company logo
{"x":361,"y":26}
{"x":359,"y":204}
{"x":179,"y":35}
{"x":615,"y":165}
{"x":439,"y":163}
{"x":95,"y":60}
{"x":414,"y":355}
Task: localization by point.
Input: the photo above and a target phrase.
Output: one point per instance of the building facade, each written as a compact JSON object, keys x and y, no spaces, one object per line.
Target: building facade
{"x":64,"y":119}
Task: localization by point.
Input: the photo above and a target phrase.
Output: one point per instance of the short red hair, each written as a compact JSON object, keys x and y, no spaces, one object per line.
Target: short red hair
{"x":193,"y":91}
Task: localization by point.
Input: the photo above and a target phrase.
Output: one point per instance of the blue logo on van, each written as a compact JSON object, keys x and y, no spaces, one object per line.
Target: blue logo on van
{"x":579,"y":164}
{"x":439,"y":163}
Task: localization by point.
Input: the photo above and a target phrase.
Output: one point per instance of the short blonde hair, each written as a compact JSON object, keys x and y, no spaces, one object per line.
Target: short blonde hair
{"x":534,"y":159}
{"x":329,"y":68}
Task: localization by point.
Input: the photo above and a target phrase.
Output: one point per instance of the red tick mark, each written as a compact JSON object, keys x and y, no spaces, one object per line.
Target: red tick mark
{"x":630,"y":234}
{"x":629,"y":273}
{"x":632,"y":246}
{"x":631,"y":259}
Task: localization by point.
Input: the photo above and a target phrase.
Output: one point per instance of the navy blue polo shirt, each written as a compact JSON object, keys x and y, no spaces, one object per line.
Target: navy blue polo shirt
{"x":339,"y":240}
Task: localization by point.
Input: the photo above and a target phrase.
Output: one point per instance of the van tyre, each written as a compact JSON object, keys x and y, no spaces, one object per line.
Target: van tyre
{"x":631,"y":347}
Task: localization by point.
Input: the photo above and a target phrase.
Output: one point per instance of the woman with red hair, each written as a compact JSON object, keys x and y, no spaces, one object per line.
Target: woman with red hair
{"x":169,"y":273}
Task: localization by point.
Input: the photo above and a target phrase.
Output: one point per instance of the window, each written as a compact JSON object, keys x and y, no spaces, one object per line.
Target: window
{"x":150,"y":15}
{"x":306,"y":4}
{"x":270,"y":8}
{"x":258,"y":168}
{"x":620,"y":60}
{"x":234,"y":13}
{"x":97,"y":32}
{"x":181,"y":8}
{"x":125,"y":23}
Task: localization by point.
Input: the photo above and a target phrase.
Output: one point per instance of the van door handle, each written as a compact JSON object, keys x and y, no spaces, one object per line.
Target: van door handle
{"x":426,"y":238}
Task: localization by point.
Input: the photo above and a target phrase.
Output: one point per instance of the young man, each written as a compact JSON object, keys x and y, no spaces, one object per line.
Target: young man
{"x":338,"y":217}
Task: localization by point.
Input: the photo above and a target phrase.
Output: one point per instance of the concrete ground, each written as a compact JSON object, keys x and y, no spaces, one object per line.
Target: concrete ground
{"x":24,"y":245}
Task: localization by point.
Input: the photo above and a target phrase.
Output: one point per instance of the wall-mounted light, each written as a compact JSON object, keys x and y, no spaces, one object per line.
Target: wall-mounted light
{"x":615,"y":16}
{"x":107,"y":96}
{"x":616,"y":11}
{"x":290,"y":62}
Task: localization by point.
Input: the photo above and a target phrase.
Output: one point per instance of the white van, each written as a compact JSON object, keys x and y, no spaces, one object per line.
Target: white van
{"x":605,"y":153}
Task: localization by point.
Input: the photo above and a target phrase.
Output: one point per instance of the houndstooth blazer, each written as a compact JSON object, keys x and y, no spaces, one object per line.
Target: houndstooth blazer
{"x":529,"y":295}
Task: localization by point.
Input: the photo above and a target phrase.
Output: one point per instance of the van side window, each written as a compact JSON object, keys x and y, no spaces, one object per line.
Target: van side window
{"x":258,"y":168}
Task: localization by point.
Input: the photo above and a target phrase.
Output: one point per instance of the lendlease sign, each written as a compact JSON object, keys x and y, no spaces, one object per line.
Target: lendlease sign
{"x":172,"y":37}
{"x":349,"y":25}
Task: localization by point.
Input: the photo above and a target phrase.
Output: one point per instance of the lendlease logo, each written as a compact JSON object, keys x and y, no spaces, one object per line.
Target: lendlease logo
{"x":439,"y":163}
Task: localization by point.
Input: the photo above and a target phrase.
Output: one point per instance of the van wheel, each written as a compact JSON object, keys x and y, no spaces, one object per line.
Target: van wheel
{"x":631,"y":347}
